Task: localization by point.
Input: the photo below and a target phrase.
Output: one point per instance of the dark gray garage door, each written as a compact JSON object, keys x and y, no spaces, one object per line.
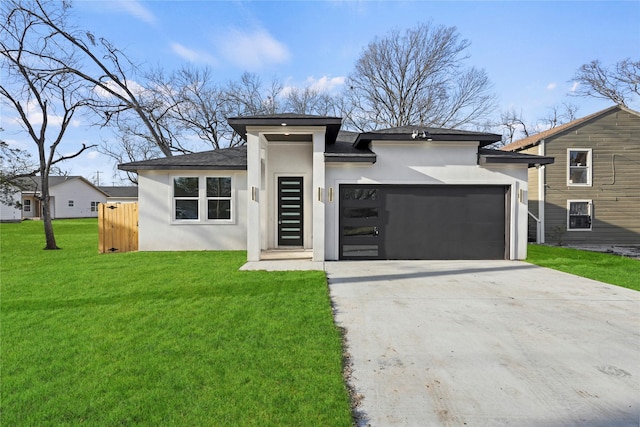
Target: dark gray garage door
{"x":423,"y":222}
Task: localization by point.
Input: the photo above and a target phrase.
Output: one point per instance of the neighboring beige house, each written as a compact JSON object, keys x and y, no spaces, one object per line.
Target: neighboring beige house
{"x":591,"y":194}
{"x":71,"y":197}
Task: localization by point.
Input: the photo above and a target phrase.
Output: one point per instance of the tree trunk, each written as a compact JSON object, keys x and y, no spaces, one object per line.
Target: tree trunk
{"x":46,"y":215}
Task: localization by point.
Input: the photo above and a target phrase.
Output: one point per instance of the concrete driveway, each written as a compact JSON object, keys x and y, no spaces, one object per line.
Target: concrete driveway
{"x":487,"y":343}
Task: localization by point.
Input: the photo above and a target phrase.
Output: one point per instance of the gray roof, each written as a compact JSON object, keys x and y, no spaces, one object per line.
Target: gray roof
{"x":404,"y":133}
{"x":332,"y":124}
{"x":33,"y":183}
{"x":490,"y":156}
{"x":343,"y":150}
{"x":234,"y":158}
{"x":120,"y":191}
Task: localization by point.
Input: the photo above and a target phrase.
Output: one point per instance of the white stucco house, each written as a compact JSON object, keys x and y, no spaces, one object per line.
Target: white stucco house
{"x":301,"y":182}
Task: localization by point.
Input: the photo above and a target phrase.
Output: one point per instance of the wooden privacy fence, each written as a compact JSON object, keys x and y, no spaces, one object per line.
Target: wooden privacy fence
{"x":117,"y":227}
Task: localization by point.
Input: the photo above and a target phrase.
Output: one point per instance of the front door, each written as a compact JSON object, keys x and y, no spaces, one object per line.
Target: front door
{"x":290,"y":211}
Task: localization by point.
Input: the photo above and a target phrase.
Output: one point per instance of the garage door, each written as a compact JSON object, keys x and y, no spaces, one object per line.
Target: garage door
{"x":423,"y":222}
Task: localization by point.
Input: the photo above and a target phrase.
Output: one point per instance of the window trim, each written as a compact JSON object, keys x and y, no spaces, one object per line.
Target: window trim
{"x":589,"y":167}
{"x":70,"y":204}
{"x":229,"y":198}
{"x":590,"y":207}
{"x":94,"y":206}
{"x":203,"y":200}
{"x":26,"y":205}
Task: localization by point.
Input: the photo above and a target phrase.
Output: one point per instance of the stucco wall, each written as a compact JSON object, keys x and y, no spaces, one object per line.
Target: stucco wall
{"x":430,"y":163}
{"x":158,"y":231}
{"x":289,"y":159}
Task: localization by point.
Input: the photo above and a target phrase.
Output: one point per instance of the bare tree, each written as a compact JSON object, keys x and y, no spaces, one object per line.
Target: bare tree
{"x":309,"y":100}
{"x":417,"y":77}
{"x":36,"y":85}
{"x":620,"y":84}
{"x":199,"y":106}
{"x":248,"y":96}
{"x":559,"y":114}
{"x":100,"y":64}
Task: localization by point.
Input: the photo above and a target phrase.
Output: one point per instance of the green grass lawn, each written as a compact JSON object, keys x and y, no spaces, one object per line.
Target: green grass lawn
{"x":607,"y":268}
{"x":170,"y":338}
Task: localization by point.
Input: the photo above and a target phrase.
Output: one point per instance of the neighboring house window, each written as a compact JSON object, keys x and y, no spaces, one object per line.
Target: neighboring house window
{"x":186,"y":192}
{"x":218,"y":197}
{"x":94,"y":206}
{"x":70,"y":204}
{"x":26,"y":206}
{"x":579,"y":215}
{"x":579,"y":166}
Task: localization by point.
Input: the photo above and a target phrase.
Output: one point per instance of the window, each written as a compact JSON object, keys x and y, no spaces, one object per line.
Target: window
{"x":70,"y":204}
{"x":26,"y":206}
{"x":579,"y":215}
{"x":94,"y":206}
{"x":186,"y":192}
{"x":578,"y":166}
{"x":219,"y":198}
{"x":203,"y":198}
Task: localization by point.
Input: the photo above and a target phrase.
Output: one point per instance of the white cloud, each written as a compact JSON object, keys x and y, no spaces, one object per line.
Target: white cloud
{"x":91,"y":155}
{"x":252,"y":50}
{"x":325,"y":83}
{"x":136,"y":9}
{"x":551,"y":86}
{"x":134,"y":87}
{"x":575,"y":86}
{"x":191,"y":55}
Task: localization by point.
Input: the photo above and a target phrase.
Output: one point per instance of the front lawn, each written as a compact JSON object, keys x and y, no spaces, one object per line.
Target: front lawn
{"x":169,"y":338}
{"x":608,"y":268}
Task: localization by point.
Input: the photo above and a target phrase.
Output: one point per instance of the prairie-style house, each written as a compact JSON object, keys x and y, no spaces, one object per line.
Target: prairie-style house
{"x":301,"y":182}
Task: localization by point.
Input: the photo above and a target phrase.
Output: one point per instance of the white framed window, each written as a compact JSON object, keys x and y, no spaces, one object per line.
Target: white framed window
{"x":186,"y":195}
{"x":94,"y":206}
{"x":579,"y":215}
{"x":219,"y":198}
{"x":203,"y":199}
{"x":70,"y":203}
{"x":579,"y":166}
{"x":26,"y":205}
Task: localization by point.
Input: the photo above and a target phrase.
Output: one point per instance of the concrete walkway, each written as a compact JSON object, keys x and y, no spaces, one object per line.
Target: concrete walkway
{"x":487,"y":343}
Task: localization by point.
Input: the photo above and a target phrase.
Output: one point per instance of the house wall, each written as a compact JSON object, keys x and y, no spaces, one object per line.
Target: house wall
{"x":159,"y":232}
{"x":11,"y":212}
{"x":432,"y":163}
{"x":533,"y":196}
{"x":615,"y":190}
{"x":289,"y":159}
{"x":82,"y":195}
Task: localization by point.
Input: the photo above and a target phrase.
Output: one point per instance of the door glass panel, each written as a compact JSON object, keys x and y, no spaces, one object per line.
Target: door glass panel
{"x":361,"y":213}
{"x":360,"y":250}
{"x":361,"y":194}
{"x":361,"y":231}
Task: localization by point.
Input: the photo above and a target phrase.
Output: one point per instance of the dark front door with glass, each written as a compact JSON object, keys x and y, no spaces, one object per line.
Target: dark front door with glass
{"x":290,"y":211}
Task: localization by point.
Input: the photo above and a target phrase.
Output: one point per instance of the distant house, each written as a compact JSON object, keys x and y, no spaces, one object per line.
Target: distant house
{"x":71,"y":197}
{"x":591,"y":194}
{"x":121,"y":194}
{"x":300,"y":182}
{"x":11,"y":211}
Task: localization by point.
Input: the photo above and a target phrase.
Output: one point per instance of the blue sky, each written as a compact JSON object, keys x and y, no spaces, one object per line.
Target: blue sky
{"x":530,"y":50}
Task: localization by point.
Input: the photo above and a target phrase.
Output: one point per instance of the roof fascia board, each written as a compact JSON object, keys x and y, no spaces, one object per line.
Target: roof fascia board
{"x":134,"y":168}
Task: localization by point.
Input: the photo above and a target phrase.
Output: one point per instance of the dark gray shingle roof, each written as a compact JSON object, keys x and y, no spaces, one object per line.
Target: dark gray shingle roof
{"x":234,"y":158}
{"x":120,"y":191}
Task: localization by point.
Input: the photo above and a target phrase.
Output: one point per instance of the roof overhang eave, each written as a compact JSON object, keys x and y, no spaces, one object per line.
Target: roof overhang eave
{"x":134,"y":168}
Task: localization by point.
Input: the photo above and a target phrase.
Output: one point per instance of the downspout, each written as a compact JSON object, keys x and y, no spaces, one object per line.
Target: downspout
{"x":541,"y":195}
